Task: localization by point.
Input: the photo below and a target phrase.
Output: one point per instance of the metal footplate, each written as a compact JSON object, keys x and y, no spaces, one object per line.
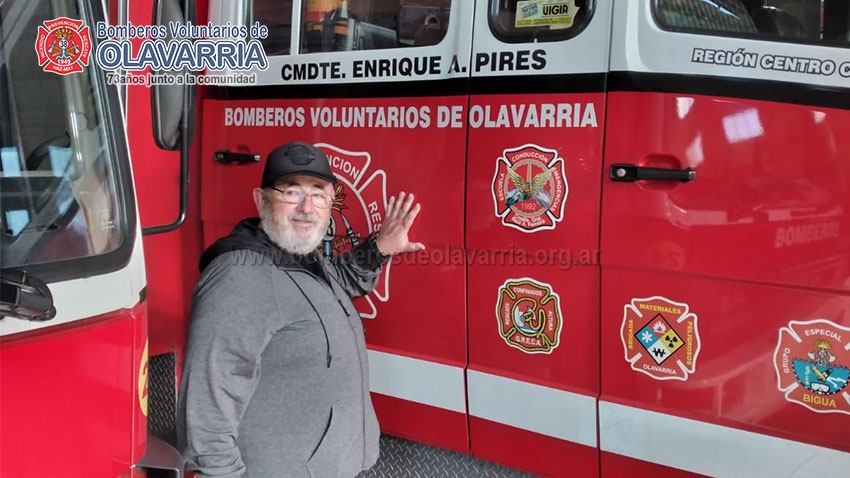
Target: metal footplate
{"x":161,"y":460}
{"x":405,"y":459}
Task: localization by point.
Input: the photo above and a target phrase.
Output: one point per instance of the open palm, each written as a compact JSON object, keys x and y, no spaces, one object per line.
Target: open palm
{"x":393,"y":238}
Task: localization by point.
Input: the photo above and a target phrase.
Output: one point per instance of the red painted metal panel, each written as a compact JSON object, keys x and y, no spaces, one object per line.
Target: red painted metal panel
{"x":534,"y":270}
{"x":624,"y":467}
{"x":421,"y":423}
{"x":71,"y":391}
{"x":171,"y":259}
{"x":141,"y":347}
{"x":770,"y":199}
{"x":532,"y":452}
{"x":757,"y":242}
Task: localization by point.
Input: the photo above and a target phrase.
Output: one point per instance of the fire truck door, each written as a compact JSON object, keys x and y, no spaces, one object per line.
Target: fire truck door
{"x":534,"y":158}
{"x":724,"y":237}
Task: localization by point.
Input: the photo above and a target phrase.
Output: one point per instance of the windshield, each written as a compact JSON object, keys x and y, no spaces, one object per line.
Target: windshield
{"x":59,"y":181}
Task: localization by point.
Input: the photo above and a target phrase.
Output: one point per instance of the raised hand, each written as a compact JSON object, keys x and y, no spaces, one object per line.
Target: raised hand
{"x":400,"y":215}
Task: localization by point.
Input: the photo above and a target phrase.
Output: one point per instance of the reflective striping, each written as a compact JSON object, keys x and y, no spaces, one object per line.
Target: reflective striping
{"x":548,"y":411}
{"x":710,"y":449}
{"x":419,"y":381}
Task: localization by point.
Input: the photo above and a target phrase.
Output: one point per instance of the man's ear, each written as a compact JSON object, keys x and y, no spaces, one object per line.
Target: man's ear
{"x":259,"y":199}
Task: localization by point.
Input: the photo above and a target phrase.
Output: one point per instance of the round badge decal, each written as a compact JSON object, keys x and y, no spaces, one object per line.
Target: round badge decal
{"x":529,"y":315}
{"x":812,"y":362}
{"x":63,"y":46}
{"x":358,"y":209}
{"x":529,"y":188}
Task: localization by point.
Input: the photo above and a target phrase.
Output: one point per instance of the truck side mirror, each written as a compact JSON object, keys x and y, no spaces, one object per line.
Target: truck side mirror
{"x":167,"y":101}
{"x":173,"y":110}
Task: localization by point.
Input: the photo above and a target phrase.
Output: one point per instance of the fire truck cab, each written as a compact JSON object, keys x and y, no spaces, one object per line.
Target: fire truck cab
{"x":635,"y":215}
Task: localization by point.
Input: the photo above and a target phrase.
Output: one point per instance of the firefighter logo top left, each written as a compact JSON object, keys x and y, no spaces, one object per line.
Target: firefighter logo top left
{"x":812,"y":362}
{"x":63,"y":46}
{"x":529,"y":315}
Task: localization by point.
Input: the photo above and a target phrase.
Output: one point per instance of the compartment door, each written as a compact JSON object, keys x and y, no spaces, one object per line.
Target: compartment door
{"x":536,"y":117}
{"x":724,"y":268}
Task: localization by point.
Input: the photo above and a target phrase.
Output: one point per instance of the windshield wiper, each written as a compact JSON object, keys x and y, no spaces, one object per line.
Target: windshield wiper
{"x":25,"y":296}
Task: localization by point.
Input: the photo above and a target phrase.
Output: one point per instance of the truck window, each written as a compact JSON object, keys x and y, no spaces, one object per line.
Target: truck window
{"x":277,"y":16}
{"x":804,"y":21}
{"x":59,"y":184}
{"x":345,"y":25}
{"x":525,"y":21}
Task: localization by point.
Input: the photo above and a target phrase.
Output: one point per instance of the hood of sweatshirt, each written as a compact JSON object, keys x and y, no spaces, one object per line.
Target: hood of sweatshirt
{"x":247,"y":235}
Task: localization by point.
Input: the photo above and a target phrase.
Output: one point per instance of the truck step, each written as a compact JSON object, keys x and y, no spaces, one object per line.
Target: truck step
{"x":401,"y":458}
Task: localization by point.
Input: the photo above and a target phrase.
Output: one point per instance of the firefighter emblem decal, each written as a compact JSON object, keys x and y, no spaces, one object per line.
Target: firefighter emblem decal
{"x":812,"y":362}
{"x":64,"y":46}
{"x":529,"y":188}
{"x":660,"y":338}
{"x":529,"y":315}
{"x":358,"y":209}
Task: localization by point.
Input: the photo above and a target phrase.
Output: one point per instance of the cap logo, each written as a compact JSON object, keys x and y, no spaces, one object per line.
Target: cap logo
{"x":299,"y":155}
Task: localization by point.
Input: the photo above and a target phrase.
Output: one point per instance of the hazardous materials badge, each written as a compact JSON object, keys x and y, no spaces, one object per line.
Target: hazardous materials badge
{"x":812,"y":361}
{"x":529,"y":188}
{"x":660,"y":338}
{"x":529,"y":315}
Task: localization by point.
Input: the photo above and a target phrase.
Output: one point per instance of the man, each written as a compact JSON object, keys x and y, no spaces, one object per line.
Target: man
{"x":275,"y":376}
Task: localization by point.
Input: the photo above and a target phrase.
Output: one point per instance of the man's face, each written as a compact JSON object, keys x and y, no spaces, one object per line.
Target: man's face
{"x":297,"y":228}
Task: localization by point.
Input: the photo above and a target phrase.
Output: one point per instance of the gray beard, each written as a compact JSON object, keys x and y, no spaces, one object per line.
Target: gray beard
{"x":286,"y":238}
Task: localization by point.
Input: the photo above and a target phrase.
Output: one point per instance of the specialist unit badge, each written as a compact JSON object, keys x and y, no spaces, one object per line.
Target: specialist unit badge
{"x":64,"y":46}
{"x":811,"y":361}
{"x":529,"y":315}
{"x":358,"y":209}
{"x":529,"y":188}
{"x":660,"y":338}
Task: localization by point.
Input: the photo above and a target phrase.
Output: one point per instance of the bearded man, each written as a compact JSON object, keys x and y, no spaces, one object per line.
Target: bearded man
{"x":275,"y":378}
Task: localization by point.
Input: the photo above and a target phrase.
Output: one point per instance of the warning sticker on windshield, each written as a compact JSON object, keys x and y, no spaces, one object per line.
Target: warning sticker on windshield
{"x":554,"y":13}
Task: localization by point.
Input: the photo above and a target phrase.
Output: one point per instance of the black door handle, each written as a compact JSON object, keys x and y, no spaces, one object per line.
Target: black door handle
{"x":629,"y":172}
{"x":226,"y":157}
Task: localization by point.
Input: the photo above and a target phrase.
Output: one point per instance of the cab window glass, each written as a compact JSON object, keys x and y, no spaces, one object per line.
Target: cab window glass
{"x":59,"y":178}
{"x":806,"y":21}
{"x":277,"y":16}
{"x":345,"y":25}
{"x":523,"y":21}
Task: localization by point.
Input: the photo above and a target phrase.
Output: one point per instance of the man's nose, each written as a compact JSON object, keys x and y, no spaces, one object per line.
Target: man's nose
{"x":306,"y":206}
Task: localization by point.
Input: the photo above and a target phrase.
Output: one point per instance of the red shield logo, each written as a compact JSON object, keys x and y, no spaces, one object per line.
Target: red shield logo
{"x":358,"y":210}
{"x":529,"y":315}
{"x":529,"y":188}
{"x":64,"y":46}
{"x":812,"y":362}
{"x":660,"y":338}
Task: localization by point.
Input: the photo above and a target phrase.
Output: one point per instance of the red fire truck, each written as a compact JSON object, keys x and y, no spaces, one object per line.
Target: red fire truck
{"x":635,"y":213}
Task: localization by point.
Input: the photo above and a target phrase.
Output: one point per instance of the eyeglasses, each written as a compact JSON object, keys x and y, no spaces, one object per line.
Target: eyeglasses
{"x":297,"y":195}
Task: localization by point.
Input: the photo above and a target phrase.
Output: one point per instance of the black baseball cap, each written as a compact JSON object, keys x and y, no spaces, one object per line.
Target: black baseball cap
{"x":294,"y":158}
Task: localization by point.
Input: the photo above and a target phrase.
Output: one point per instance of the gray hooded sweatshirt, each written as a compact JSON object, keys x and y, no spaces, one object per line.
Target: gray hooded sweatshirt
{"x":275,"y":379}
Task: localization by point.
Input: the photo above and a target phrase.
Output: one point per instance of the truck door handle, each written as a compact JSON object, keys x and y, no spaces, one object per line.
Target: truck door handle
{"x":625,"y":172}
{"x":226,"y":157}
